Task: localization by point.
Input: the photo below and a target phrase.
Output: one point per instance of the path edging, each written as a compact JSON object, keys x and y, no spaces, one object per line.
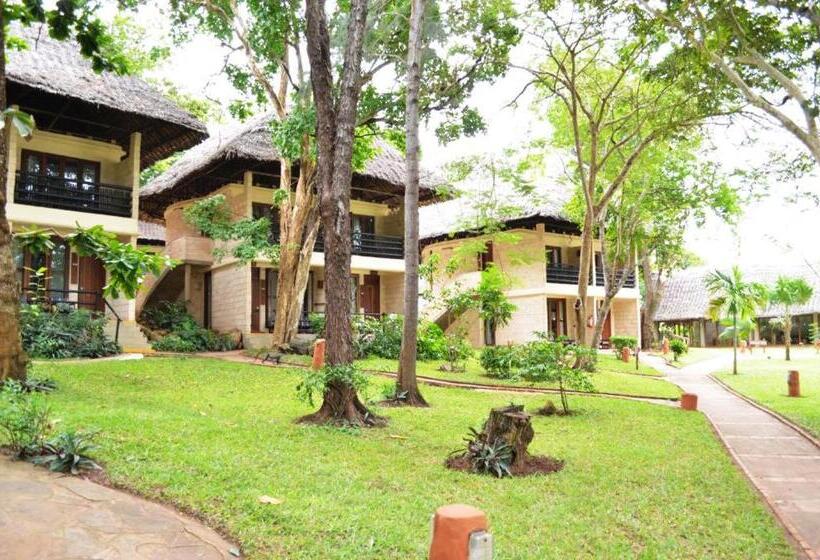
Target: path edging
{"x":796,"y":427}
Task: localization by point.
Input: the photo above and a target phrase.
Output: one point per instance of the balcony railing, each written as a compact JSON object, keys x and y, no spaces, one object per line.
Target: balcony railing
{"x":568,"y":274}
{"x":72,"y":194}
{"x":371,"y":245}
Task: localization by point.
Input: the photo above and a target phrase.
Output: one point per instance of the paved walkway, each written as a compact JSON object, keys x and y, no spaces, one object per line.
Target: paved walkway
{"x":45,"y":516}
{"x":782,"y":464}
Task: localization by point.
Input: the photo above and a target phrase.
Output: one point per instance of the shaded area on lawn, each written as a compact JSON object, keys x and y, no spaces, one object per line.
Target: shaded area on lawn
{"x":214,"y":436}
{"x":764,"y":381}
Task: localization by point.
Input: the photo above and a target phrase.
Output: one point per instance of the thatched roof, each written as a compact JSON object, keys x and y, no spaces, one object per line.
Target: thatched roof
{"x":685,"y":296}
{"x":456,"y":217}
{"x":55,"y":83}
{"x":226,"y":155}
{"x":150,"y":232}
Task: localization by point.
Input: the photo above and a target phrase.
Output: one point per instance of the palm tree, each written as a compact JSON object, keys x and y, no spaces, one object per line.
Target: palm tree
{"x":735,"y":299}
{"x":789,"y":292}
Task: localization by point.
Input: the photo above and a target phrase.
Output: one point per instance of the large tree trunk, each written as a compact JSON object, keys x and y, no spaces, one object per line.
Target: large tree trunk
{"x":13,"y":360}
{"x":787,"y":335}
{"x":584,"y":267}
{"x":651,"y":300}
{"x":406,"y":380}
{"x":335,"y":127}
{"x":298,"y":228}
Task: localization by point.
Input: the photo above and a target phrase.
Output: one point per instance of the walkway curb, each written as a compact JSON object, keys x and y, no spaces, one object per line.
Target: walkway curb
{"x":796,"y":427}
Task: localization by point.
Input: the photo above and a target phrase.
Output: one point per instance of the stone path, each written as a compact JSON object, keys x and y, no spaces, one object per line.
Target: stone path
{"x":45,"y":516}
{"x":782,"y":464}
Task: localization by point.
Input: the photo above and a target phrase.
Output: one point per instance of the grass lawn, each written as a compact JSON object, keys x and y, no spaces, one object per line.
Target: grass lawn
{"x":612,"y":376}
{"x":764,"y":380}
{"x":640,"y":480}
{"x":694,"y":355}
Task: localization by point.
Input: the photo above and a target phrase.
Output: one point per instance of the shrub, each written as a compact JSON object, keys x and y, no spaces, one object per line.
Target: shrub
{"x":486,"y":457}
{"x":678,"y":348}
{"x":432,"y":343}
{"x":458,"y":351}
{"x":33,"y":384}
{"x":314,"y":382}
{"x":621,"y":342}
{"x":501,"y":361}
{"x":317,"y":323}
{"x":24,"y":418}
{"x":183,"y":333}
{"x":554,"y":361}
{"x":68,"y":452}
{"x":64,"y":332}
{"x":377,"y":336}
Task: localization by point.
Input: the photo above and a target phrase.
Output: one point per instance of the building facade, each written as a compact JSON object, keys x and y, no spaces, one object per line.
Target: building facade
{"x":81,"y":165}
{"x":226,"y":294}
{"x":540,"y":253}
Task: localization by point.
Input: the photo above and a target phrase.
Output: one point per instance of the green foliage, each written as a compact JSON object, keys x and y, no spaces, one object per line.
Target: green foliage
{"x":129,"y":40}
{"x":250,"y":238}
{"x":678,"y":347}
{"x":317,"y":322}
{"x":814,"y":333}
{"x":374,"y":336}
{"x":459,"y":350}
{"x":64,"y":332}
{"x":24,"y":418}
{"x":501,"y":361}
{"x":183,"y":333}
{"x":555,"y":361}
{"x":126,"y":265}
{"x":733,"y":297}
{"x":621,"y":342}
{"x":744,"y":328}
{"x":431,"y":342}
{"x":315,"y":382}
{"x":493,"y":458}
{"x":789,"y":292}
{"x":68,"y":452}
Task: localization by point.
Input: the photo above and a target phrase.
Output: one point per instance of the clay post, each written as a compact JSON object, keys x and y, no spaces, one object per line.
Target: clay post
{"x":318,"y":354}
{"x":794,"y":383}
{"x":665,"y":346}
{"x":460,"y":533}
{"x":625,"y":354}
{"x":689,"y":401}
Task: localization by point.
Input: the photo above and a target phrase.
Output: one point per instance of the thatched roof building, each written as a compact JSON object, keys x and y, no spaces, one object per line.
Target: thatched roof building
{"x":226,"y":156}
{"x":686,"y":298}
{"x":457,"y":218}
{"x":52,"y":81}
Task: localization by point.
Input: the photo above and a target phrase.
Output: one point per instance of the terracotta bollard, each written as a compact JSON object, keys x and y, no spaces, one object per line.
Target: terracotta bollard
{"x":689,"y":401}
{"x":318,"y":354}
{"x":794,"y":383}
{"x":665,"y":346}
{"x":625,"y":354}
{"x":454,"y":527}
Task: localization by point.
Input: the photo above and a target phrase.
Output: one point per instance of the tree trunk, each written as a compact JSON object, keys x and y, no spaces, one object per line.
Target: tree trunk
{"x":406,"y":379}
{"x":513,"y":426}
{"x":651,"y":299}
{"x":734,"y":343}
{"x":298,"y":229}
{"x":787,"y":335}
{"x":584,"y":267}
{"x":13,"y":360}
{"x":335,"y":126}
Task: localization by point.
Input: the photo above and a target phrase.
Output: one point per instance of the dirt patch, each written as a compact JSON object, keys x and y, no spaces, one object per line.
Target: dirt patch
{"x":532,"y":465}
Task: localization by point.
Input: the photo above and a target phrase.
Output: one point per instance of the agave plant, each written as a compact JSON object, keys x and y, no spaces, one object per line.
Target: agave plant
{"x":68,"y":452}
{"x":486,"y":457}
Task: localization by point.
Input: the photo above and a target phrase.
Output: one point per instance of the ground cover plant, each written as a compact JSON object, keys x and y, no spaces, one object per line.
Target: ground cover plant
{"x":764,"y":381}
{"x":214,"y":436}
{"x":61,"y":331}
{"x":175,"y":330}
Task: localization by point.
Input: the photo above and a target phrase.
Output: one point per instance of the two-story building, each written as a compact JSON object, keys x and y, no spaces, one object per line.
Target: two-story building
{"x":94,"y":133}
{"x":540,"y":256}
{"x":225,"y":294}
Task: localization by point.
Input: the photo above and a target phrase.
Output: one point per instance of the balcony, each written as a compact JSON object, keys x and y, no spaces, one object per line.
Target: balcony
{"x":71,"y":194}
{"x":371,"y":245}
{"x":568,"y":274}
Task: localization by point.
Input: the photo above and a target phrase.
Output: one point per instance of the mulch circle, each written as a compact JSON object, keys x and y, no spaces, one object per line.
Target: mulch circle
{"x":533,"y":465}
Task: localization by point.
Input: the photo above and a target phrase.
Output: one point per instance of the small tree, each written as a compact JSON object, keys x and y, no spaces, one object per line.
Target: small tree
{"x":554,"y":362}
{"x":789,"y":292}
{"x":734,"y":298}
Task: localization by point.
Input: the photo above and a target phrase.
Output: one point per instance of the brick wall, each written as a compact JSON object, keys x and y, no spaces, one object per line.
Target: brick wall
{"x":231,"y":298}
{"x":392,"y":293}
{"x":625,"y":317}
{"x":530,"y":316}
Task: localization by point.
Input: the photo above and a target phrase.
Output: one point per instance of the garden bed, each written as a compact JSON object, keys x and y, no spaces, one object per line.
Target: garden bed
{"x":215,"y":436}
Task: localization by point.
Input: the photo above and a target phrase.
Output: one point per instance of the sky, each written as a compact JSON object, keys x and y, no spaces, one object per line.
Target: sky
{"x":771,"y":231}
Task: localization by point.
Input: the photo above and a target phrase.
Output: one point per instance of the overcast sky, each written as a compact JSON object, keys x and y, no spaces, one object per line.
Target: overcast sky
{"x":771,"y":230}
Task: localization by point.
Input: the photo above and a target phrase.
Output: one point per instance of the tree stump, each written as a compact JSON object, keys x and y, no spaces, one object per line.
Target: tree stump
{"x":513,"y":426}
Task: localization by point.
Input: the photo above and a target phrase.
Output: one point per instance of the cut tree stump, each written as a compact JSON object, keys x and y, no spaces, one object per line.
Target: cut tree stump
{"x":513,"y":426}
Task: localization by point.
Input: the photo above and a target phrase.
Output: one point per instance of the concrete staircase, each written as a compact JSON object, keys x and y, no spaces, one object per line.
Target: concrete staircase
{"x":131,"y":338}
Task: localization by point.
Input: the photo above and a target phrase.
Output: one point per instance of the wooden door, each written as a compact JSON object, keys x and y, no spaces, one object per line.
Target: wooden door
{"x":607,"y":330}
{"x":256,"y":299}
{"x":208,"y":290}
{"x":91,"y":282}
{"x":369,"y":294}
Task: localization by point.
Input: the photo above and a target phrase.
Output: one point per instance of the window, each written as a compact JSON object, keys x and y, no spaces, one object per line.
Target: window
{"x":272,"y":214}
{"x":55,"y":264}
{"x":557,"y":317}
{"x":72,"y":173}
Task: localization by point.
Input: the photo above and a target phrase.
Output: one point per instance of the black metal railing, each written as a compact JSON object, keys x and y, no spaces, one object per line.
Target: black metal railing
{"x":72,"y":194}
{"x":568,"y":274}
{"x":371,"y":245}
{"x":85,"y":299}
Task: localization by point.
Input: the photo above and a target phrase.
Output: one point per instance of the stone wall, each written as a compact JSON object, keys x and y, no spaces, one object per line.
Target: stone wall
{"x":231,"y":301}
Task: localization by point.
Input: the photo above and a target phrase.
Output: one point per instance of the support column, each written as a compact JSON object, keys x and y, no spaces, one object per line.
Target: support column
{"x":247,"y":181}
{"x":134,"y":153}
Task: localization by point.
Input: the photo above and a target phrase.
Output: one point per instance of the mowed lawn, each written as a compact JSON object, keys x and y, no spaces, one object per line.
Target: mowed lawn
{"x":611,"y":376}
{"x":764,"y":380}
{"x":641,"y":480}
